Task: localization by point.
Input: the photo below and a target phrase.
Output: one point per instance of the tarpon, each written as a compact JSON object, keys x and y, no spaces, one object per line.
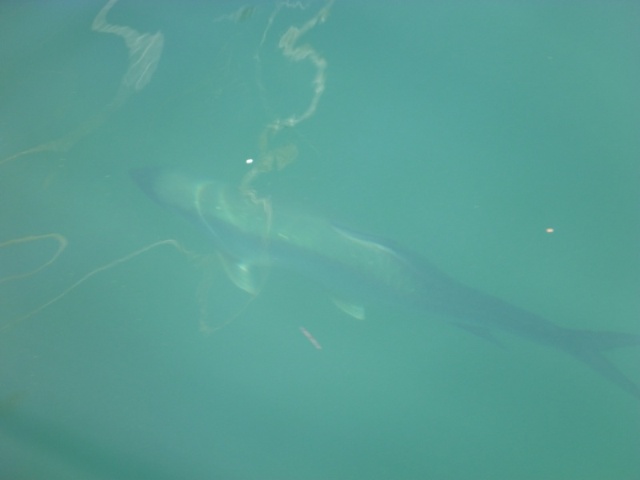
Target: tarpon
{"x":358,"y":269}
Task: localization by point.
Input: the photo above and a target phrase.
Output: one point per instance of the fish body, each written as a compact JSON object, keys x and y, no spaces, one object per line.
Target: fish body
{"x":358,"y":269}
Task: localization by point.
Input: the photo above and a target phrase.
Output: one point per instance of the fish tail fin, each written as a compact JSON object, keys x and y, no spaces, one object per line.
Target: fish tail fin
{"x":589,"y":347}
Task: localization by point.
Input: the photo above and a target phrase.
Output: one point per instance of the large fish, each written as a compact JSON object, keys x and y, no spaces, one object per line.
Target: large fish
{"x":358,"y":269}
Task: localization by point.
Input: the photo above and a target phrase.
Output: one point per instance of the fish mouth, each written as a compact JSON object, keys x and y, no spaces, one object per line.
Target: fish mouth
{"x":145,"y":177}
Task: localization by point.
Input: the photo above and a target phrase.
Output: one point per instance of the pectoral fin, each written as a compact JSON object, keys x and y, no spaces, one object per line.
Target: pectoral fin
{"x":241,"y":275}
{"x":352,"y":309}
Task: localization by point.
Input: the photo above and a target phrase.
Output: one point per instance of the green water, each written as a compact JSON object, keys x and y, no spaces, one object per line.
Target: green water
{"x":460,"y":130}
